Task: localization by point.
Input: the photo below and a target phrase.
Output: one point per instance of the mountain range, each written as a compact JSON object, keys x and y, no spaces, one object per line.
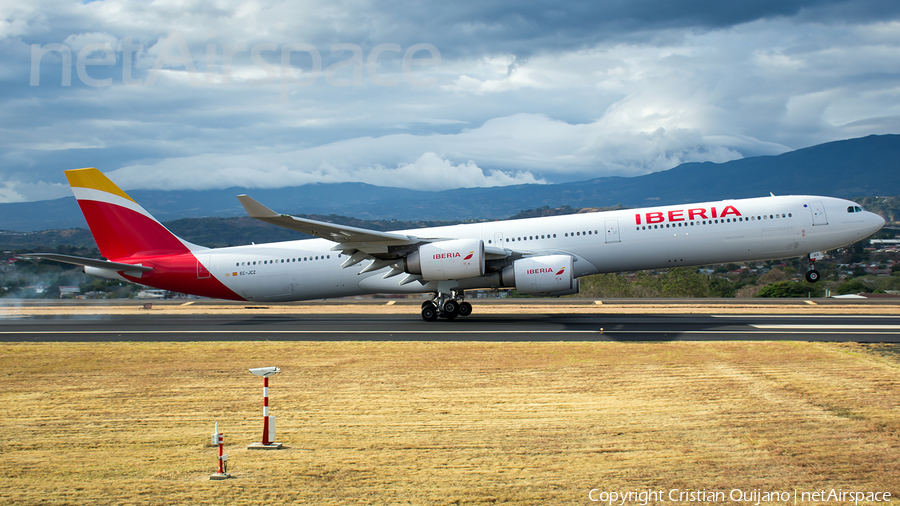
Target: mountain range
{"x":867,"y":166}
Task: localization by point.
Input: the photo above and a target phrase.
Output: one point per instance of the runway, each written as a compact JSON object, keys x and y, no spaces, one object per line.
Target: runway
{"x":497,"y":328}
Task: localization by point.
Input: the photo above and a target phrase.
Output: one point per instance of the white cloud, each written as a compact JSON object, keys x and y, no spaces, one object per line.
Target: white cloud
{"x":518,"y":149}
{"x":431,"y":172}
{"x":427,"y":172}
{"x":14,"y":191}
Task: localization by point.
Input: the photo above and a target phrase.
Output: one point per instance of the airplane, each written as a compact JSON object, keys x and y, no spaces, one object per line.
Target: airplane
{"x":540,"y":256}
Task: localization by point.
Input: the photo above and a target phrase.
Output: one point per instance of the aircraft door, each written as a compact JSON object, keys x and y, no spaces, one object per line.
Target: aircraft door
{"x":818,"y":213}
{"x":612,"y":231}
{"x":498,"y":240}
{"x":203,"y":266}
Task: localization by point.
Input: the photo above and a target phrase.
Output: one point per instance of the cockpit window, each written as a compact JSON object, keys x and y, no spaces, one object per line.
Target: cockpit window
{"x":851,"y":209}
{"x":859,"y":209}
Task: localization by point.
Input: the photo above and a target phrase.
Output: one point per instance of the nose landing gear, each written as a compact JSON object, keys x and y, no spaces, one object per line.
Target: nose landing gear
{"x":812,"y":275}
{"x":446,"y":306}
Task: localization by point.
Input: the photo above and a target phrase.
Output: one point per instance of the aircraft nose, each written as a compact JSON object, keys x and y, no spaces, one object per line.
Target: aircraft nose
{"x":877,"y":222}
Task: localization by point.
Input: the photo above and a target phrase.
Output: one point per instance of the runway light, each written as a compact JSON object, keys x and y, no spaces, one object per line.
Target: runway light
{"x":268,"y":422}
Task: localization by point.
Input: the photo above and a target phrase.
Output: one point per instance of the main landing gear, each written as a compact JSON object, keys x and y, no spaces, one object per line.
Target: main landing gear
{"x":812,"y":275}
{"x":446,"y":306}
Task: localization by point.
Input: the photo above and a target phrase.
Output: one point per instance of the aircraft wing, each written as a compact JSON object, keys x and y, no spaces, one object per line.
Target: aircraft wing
{"x":350,"y":239}
{"x":384,"y":248}
{"x":330,"y":231}
{"x":89,"y":262}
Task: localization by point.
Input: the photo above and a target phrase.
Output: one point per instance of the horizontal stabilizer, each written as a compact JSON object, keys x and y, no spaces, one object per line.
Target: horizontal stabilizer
{"x":89,"y":262}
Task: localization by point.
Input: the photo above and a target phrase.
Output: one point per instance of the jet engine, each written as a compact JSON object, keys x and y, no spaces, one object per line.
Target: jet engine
{"x":545,"y":275}
{"x":439,"y":261}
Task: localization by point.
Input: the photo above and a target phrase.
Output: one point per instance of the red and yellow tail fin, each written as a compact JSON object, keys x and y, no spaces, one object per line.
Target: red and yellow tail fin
{"x":121,"y":227}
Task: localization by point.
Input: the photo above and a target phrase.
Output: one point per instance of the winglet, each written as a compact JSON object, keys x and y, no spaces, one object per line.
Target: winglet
{"x":255,"y":209}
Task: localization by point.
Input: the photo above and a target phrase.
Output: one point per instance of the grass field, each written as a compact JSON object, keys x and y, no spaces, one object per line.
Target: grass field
{"x":443,"y":423}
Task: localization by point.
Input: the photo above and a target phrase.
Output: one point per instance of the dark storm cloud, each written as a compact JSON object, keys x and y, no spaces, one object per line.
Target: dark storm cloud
{"x":524,"y":92}
{"x":523,"y":28}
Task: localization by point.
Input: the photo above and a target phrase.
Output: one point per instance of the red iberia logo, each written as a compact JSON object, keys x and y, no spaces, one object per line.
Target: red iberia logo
{"x":470,"y":255}
{"x":545,"y":270}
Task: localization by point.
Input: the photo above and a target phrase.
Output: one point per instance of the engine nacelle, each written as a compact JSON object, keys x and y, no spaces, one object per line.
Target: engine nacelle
{"x":545,"y":275}
{"x":440,"y":261}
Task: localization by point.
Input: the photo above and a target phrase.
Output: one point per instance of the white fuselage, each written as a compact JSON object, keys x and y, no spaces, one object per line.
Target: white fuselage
{"x":610,"y":241}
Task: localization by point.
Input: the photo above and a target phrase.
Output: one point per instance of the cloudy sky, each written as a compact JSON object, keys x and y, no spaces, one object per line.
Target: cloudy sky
{"x":211,"y":94}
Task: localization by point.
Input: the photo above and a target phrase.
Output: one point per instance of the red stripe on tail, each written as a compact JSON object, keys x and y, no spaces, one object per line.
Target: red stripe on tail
{"x":121,"y":232}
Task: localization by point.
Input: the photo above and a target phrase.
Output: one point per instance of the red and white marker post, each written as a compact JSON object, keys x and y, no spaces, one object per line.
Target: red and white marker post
{"x":265,"y":438}
{"x":268,"y":425}
{"x":219,"y":439}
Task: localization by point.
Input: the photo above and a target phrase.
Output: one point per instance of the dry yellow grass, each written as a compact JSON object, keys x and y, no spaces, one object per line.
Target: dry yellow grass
{"x":442,"y":423}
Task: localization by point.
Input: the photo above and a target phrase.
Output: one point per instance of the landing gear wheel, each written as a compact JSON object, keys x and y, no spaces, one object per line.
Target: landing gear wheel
{"x":429,"y":312}
{"x":450,"y":310}
{"x":465,"y":309}
{"x":812,"y":275}
{"x":428,"y":303}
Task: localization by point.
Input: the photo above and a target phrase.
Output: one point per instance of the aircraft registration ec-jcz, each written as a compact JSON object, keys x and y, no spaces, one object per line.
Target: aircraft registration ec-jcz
{"x":541,"y":256}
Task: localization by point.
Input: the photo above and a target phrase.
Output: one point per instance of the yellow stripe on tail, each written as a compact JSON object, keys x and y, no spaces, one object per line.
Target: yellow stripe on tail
{"x":95,"y":180}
